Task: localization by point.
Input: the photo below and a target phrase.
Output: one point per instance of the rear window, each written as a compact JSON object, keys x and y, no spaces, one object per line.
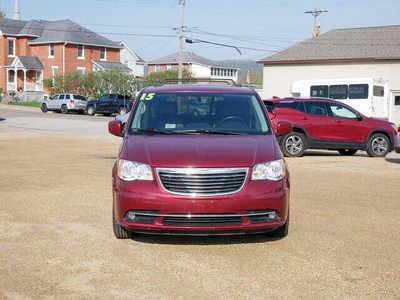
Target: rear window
{"x":358,"y":91}
{"x":319,"y":91}
{"x":316,"y":108}
{"x":79,"y":97}
{"x":123,"y":97}
{"x":296,"y":105}
{"x":338,"y":91}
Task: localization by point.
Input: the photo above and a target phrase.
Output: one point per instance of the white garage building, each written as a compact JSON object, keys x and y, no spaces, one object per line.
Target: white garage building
{"x":341,"y":53}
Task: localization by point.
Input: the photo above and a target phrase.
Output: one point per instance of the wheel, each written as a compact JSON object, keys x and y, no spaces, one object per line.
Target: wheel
{"x":378,"y":145}
{"x":43,"y":107}
{"x":90,"y":110}
{"x":122,"y":110}
{"x":347,"y":152}
{"x":119,"y":231}
{"x":282,"y":231}
{"x":64,"y":109}
{"x":293,"y":144}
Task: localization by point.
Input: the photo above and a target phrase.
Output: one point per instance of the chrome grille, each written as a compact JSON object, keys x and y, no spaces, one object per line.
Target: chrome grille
{"x":202,"y":181}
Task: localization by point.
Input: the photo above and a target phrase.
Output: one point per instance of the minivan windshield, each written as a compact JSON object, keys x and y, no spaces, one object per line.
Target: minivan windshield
{"x":198,"y":113}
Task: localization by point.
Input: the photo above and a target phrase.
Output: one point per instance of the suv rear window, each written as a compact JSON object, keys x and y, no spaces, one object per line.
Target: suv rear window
{"x":296,"y":105}
{"x":79,"y":97}
{"x":316,"y":108}
{"x":174,"y":112}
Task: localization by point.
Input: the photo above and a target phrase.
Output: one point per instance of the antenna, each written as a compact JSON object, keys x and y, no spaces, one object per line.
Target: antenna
{"x":316,"y":13}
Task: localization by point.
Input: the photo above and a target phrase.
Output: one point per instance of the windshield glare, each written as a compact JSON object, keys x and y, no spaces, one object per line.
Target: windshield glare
{"x":177,"y":112}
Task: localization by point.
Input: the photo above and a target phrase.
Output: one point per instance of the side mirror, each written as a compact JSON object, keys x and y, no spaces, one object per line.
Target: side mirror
{"x":284,"y":127}
{"x":360,"y":118}
{"x":115,"y":128}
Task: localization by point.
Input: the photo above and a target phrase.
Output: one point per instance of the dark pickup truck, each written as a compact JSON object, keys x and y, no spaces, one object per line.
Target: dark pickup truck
{"x":109,"y":104}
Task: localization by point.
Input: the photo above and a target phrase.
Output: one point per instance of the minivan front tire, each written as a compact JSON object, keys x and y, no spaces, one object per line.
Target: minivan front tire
{"x":119,"y":231}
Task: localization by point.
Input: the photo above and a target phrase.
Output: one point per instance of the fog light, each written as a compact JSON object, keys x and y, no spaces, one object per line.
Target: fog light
{"x":131,"y":215}
{"x":273,"y":215}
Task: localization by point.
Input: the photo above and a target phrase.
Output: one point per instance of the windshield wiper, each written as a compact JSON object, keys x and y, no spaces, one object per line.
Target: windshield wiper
{"x":152,"y":130}
{"x":208,"y":131}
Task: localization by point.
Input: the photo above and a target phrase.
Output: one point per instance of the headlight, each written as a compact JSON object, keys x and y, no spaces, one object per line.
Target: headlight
{"x":130,"y":170}
{"x":394,"y":126}
{"x":272,"y":170}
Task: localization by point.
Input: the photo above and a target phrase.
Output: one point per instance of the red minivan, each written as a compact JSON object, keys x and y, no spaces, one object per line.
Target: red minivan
{"x":199,"y":160}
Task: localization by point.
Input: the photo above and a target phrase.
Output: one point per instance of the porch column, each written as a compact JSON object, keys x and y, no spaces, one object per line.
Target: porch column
{"x":16,"y":79}
{"x":24,"y":79}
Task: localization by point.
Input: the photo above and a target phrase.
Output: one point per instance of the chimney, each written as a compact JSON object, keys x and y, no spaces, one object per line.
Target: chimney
{"x":16,"y":11}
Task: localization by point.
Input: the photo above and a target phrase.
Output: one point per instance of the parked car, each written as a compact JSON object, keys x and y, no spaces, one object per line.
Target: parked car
{"x":328,"y":124}
{"x":181,"y":172}
{"x":64,"y":103}
{"x":109,"y":104}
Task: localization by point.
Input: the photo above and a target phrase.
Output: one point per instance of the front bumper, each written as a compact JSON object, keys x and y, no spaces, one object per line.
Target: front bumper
{"x":157,"y":211}
{"x":397,"y":143}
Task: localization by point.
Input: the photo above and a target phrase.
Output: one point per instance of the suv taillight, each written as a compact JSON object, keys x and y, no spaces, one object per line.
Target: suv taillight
{"x":72,"y":101}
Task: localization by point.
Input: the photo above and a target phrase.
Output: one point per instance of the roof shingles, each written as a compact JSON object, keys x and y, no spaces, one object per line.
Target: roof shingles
{"x":354,"y":44}
{"x":54,"y":31}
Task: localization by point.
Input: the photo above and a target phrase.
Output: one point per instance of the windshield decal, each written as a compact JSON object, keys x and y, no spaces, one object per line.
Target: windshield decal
{"x":147,"y":97}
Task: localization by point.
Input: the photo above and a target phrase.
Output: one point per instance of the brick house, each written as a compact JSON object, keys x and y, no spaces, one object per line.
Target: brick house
{"x":31,"y":51}
{"x":198,"y":66}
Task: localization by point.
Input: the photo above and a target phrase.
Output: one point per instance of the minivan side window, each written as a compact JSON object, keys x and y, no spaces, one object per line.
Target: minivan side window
{"x":358,"y":91}
{"x":316,"y":108}
{"x":378,"y":91}
{"x":319,"y":91}
{"x":61,"y":97}
{"x":338,"y":91}
{"x":67,"y":96}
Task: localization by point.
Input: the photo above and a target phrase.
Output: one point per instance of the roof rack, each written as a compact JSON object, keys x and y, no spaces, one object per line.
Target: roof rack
{"x":198,"y":80}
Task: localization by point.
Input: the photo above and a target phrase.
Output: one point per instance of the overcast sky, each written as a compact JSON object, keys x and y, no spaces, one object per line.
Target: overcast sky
{"x":266,"y":26}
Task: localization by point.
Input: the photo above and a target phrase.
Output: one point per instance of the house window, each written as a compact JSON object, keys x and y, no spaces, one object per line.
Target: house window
{"x":11,"y":76}
{"x":11,"y":47}
{"x":51,"y":50}
{"x":81,"y":70}
{"x":81,"y":51}
{"x":54,"y":70}
{"x":103,"y":53}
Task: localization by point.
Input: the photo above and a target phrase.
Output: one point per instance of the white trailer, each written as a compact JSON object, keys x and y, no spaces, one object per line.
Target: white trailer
{"x":371,"y":96}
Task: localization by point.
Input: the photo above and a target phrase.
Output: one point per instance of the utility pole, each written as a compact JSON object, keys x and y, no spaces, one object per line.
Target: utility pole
{"x":16,"y":10}
{"x":180,"y":36}
{"x":316,"y":13}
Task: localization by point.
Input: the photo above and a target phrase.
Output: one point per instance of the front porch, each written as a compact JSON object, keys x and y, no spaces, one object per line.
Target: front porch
{"x":25,"y":74}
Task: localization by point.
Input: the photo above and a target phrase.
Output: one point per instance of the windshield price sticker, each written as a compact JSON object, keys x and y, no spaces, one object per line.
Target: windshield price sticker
{"x":147,"y":97}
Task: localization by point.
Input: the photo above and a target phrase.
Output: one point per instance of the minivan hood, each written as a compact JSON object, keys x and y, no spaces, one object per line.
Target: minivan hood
{"x":200,"y":150}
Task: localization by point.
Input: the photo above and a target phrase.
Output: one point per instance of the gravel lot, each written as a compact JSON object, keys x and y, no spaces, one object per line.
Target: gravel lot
{"x":57,"y":242}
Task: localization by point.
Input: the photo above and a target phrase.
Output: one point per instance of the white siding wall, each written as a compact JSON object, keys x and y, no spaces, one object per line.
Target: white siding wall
{"x":129,"y":60}
{"x":200,"y":71}
{"x":278,"y":78}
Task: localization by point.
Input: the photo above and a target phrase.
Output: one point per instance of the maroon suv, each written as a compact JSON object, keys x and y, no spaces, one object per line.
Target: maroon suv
{"x":332,"y":125}
{"x":199,"y":160}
